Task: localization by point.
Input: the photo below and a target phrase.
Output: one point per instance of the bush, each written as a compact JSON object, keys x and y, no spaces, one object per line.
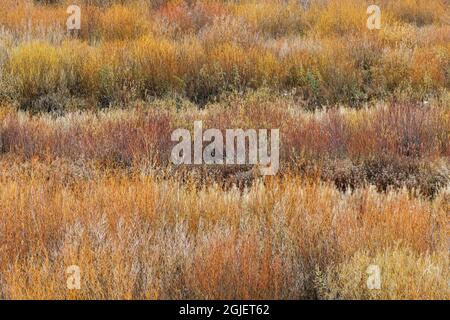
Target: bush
{"x":322,"y":51}
{"x":405,"y":274}
{"x":419,"y":12}
{"x":37,"y":68}
{"x":155,"y":66}
{"x":273,"y":18}
{"x":123,"y":22}
{"x":338,"y":17}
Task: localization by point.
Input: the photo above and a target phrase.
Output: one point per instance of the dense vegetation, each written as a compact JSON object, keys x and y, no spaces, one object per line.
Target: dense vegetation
{"x":321,"y":51}
{"x":85,"y":125}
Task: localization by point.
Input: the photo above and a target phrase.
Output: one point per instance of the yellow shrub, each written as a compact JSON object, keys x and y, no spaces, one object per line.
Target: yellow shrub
{"x":392,"y":71}
{"x":339,"y":17}
{"x":192,"y":56}
{"x":399,"y":34}
{"x":104,"y":70}
{"x":338,"y":71}
{"x":204,"y":48}
{"x":404,"y":274}
{"x":76,"y":60}
{"x":272,"y":17}
{"x":123,"y":22}
{"x":191,"y":59}
{"x":298,"y":61}
{"x":90,"y":70}
{"x":232,"y":62}
{"x":268,"y":68}
{"x":155,"y":64}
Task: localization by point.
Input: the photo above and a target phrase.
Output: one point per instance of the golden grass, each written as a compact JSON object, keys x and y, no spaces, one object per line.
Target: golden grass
{"x":133,"y":237}
{"x":324,"y":51}
{"x":398,"y":266}
{"x":121,"y":22}
{"x":81,"y":190}
{"x":37,"y":68}
{"x":360,"y":186}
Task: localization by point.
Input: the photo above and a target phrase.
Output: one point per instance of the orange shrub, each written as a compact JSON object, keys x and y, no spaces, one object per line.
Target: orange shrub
{"x":25,"y":17}
{"x":272,"y":18}
{"x":282,"y":239}
{"x":37,"y":67}
{"x":123,"y":22}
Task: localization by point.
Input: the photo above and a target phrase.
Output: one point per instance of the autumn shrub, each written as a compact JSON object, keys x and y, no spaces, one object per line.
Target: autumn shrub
{"x":7,"y":81}
{"x":227,"y":30}
{"x":192,"y":59}
{"x":134,"y":139}
{"x":188,"y":18}
{"x":273,"y":18}
{"x":281,"y":239}
{"x":123,"y":22}
{"x":339,"y":75}
{"x":25,"y":18}
{"x":301,"y":68}
{"x":425,"y":179}
{"x":178,"y":14}
{"x":38,"y":69}
{"x":229,"y":68}
{"x":401,"y":146}
{"x":86,"y":178}
{"x":404,"y":274}
{"x":76,"y":61}
{"x":338,"y":17}
{"x":419,"y":12}
{"x":154,"y":66}
{"x":323,"y":50}
{"x":392,"y":71}
{"x":435,"y":76}
{"x":402,"y":129}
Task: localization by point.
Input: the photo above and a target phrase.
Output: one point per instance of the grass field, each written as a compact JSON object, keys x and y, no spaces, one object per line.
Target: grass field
{"x":86,"y":118}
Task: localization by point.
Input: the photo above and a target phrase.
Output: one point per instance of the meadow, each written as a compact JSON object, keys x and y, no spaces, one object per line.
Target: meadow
{"x":86,"y":180}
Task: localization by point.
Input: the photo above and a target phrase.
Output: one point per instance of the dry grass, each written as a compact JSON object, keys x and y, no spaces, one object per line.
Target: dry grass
{"x":134,"y":236}
{"x":85,"y":125}
{"x":391,"y":145}
{"x":398,"y":265}
{"x":94,"y":190}
{"x":235,"y":46}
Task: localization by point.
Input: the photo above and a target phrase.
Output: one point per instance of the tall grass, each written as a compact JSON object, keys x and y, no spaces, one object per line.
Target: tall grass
{"x":86,"y":179}
{"x":324,"y":51}
{"x":392,"y":145}
{"x":138,"y":238}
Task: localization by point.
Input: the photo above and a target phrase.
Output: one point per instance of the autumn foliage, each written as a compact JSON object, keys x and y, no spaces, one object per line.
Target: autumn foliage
{"x":86,"y":179}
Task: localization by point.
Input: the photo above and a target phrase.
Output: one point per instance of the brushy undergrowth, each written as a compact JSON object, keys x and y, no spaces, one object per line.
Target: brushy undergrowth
{"x":386,"y":145}
{"x":85,"y":124}
{"x":199,"y":49}
{"x":136,"y":237}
